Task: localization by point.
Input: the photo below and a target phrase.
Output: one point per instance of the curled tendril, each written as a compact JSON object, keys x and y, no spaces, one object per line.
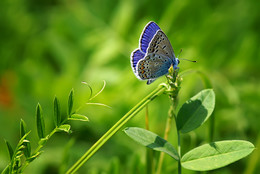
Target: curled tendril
{"x":99,"y":92}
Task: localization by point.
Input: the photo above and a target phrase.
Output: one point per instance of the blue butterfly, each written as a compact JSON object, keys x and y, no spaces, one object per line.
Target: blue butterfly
{"x":155,"y":55}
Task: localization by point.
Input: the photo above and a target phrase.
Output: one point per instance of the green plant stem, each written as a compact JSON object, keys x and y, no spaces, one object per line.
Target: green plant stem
{"x":38,"y":149}
{"x":166,"y":134}
{"x":211,"y":127}
{"x":179,"y":151}
{"x":149,"y":152}
{"x":158,"y":91}
{"x":178,"y":137}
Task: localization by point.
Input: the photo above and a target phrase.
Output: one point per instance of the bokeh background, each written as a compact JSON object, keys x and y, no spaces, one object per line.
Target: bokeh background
{"x":48,"y":47}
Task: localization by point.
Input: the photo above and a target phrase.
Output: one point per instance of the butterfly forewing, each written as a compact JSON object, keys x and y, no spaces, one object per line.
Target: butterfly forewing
{"x":147,"y":35}
{"x":161,"y":45}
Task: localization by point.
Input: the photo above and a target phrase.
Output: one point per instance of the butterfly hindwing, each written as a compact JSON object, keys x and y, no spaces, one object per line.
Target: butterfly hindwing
{"x":153,"y":66}
{"x":135,"y":57}
{"x":161,"y":45}
{"x":147,"y":35}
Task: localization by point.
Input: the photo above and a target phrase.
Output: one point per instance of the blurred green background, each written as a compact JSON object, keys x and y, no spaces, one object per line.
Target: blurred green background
{"x":48,"y":47}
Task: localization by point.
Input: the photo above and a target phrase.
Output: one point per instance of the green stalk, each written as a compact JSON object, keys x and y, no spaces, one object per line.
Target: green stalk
{"x":38,"y":149}
{"x":179,"y":142}
{"x":149,"y":152}
{"x":179,"y":151}
{"x":129,"y":115}
{"x":211,"y":127}
{"x":174,"y":82}
{"x":166,"y":134}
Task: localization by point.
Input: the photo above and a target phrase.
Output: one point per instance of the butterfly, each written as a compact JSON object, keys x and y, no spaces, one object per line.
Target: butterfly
{"x":155,"y":55}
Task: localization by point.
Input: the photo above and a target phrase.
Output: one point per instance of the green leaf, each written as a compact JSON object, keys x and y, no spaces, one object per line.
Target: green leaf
{"x":27,"y":150}
{"x":10,"y":149}
{"x":57,"y":115}
{"x":151,"y":140}
{"x":64,"y":127}
{"x":34,"y":156}
{"x":196,"y":111}
{"x":26,"y":143}
{"x":40,"y":122}
{"x":78,"y":117}
{"x":6,"y":170}
{"x":22,"y":128}
{"x":70,"y":102}
{"x":216,"y":155}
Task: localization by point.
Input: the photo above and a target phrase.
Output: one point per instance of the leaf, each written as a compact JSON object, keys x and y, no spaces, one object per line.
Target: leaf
{"x":40,"y":122}
{"x":70,"y":102}
{"x":78,"y":117}
{"x":196,"y":111}
{"x":151,"y":140}
{"x":26,"y":143}
{"x":216,"y":155}
{"x":27,"y":149}
{"x":57,"y":115}
{"x":10,"y":149}
{"x":6,"y":170}
{"x":22,"y":128}
{"x":34,"y":156}
{"x":23,"y":139}
{"x":64,"y":127}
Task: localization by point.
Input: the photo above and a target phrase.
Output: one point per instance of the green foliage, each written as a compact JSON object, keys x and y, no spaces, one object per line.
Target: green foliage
{"x":151,"y":140}
{"x":40,"y":122}
{"x":70,"y":102}
{"x":23,"y":149}
{"x":57,"y":114}
{"x":78,"y":117}
{"x":48,"y":47}
{"x":22,"y":128}
{"x":10,"y":149}
{"x":196,"y":111}
{"x":64,"y":127}
{"x":16,"y":155}
{"x":216,"y":155}
{"x":191,"y":115}
{"x":27,"y":144}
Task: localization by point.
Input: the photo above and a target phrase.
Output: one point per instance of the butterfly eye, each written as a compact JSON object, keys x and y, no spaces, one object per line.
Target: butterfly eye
{"x":178,"y":61}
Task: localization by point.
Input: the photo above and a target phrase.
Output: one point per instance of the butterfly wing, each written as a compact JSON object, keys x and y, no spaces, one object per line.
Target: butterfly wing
{"x":152,"y":67}
{"x":147,"y":35}
{"x":135,"y":57}
{"x":161,"y":45}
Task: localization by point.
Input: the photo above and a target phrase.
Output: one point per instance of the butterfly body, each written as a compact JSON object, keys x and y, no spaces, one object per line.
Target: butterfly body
{"x":155,"y":55}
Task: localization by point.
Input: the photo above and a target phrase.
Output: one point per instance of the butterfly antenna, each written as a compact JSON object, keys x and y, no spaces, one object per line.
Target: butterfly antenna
{"x":185,"y":59}
{"x":188,"y":60}
{"x":179,"y":53}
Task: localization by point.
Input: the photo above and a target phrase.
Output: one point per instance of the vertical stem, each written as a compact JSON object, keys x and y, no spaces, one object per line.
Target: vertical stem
{"x":178,"y":135}
{"x":149,"y":152}
{"x":146,"y":118}
{"x":166,"y":134}
{"x":179,"y":152}
{"x":211,"y":127}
